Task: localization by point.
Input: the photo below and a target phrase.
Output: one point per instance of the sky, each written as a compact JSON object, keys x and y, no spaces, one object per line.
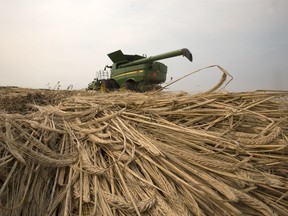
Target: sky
{"x":46,"y":41}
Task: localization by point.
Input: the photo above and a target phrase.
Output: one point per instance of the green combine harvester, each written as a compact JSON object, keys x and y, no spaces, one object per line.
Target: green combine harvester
{"x":134,"y":72}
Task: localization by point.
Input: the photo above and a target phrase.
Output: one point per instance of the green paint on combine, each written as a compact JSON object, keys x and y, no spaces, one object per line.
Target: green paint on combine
{"x":134,"y":72}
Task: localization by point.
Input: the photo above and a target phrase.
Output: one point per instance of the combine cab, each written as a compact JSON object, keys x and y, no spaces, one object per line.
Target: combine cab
{"x":134,"y":72}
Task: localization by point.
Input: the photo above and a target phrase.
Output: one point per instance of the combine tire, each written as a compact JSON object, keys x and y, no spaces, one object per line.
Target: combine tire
{"x":128,"y":86}
{"x":114,"y":84}
{"x":105,"y":86}
{"x":124,"y":87}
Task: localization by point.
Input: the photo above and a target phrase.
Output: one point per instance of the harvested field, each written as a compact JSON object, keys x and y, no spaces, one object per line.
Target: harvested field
{"x":162,"y":153}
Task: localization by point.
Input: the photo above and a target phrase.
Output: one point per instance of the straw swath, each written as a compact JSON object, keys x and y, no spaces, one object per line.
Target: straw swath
{"x":161,"y":153}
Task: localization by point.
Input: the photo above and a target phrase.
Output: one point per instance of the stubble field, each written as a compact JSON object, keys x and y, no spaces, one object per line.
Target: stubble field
{"x":157,"y":153}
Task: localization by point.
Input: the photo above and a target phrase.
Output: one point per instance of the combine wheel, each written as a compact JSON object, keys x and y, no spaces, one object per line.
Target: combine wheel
{"x":128,"y":86}
{"x":124,"y":87}
{"x":102,"y":88}
{"x":113,"y":84}
{"x":105,"y":86}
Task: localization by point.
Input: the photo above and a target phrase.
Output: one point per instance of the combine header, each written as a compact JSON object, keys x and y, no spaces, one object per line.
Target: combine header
{"x":134,"y":72}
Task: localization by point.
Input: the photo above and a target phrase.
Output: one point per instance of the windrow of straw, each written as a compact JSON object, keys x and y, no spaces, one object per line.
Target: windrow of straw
{"x":147,"y":154}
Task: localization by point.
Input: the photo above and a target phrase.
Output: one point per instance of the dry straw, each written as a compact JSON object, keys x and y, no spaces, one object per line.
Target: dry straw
{"x":160,"y":153}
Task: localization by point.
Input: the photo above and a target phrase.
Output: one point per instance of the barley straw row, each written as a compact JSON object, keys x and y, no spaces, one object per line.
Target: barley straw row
{"x":147,"y":154}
